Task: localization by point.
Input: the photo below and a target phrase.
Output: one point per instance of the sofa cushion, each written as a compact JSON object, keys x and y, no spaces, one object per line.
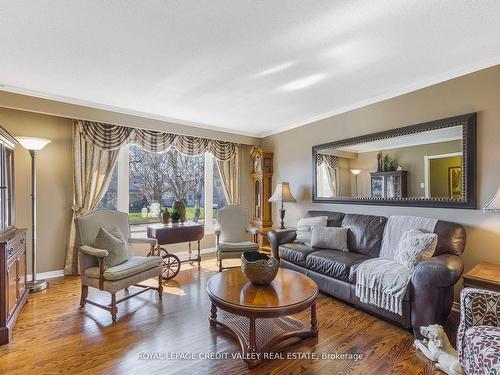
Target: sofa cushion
{"x":451,"y":238}
{"x":414,"y":247}
{"x":365,"y":233}
{"x":135,"y":265}
{"x":329,"y":238}
{"x":334,"y":263}
{"x":295,"y":253}
{"x":305,"y":226}
{"x":334,"y":218}
{"x":116,"y":245}
{"x":481,"y":350}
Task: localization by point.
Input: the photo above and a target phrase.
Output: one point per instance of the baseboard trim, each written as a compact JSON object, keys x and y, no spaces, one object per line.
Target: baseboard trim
{"x":47,"y":275}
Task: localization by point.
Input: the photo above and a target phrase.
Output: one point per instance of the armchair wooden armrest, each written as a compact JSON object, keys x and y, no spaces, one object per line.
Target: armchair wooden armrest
{"x":89,"y":250}
{"x":100,"y":254}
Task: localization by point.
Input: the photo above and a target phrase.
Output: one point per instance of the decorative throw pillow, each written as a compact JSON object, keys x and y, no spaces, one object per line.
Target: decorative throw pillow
{"x":114,"y":242}
{"x":329,"y":238}
{"x":305,"y":225}
{"x":414,"y":247}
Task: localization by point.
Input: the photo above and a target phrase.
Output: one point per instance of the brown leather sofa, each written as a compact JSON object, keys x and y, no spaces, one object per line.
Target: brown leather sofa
{"x":429,"y":297}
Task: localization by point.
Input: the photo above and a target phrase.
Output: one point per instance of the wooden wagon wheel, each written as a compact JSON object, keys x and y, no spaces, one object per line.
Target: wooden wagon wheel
{"x":171,"y":264}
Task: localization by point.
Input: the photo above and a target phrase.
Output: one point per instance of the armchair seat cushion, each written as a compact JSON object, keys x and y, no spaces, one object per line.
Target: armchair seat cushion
{"x":334,"y":263}
{"x":133,"y":266}
{"x":235,"y":246}
{"x":482,"y":350}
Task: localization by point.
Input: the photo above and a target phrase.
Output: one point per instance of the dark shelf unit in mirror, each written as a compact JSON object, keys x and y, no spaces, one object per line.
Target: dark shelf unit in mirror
{"x":389,"y":184}
{"x":432,"y":164}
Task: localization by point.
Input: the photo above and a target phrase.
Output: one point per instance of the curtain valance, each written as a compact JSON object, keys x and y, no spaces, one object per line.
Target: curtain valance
{"x":112,"y":137}
{"x":329,"y":160}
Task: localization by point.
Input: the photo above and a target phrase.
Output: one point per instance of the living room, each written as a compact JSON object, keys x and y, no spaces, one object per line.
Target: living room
{"x":250,"y":187}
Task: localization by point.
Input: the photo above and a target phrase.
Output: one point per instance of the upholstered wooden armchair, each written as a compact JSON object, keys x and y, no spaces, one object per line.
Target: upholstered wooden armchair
{"x":231,"y":233}
{"x":94,"y":262}
{"x":478,"y":337}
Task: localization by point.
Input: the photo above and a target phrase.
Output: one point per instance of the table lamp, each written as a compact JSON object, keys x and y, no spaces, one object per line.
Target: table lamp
{"x":282,"y":194}
{"x":33,"y":144}
{"x":494,"y":204}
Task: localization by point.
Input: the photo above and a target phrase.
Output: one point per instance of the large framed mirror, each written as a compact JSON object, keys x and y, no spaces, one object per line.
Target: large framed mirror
{"x":432,"y":164}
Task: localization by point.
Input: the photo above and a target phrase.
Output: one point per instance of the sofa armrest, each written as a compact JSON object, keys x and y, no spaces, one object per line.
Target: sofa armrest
{"x":89,"y":250}
{"x":438,"y":272}
{"x":432,"y":285}
{"x":477,"y":307}
{"x":280,"y":237}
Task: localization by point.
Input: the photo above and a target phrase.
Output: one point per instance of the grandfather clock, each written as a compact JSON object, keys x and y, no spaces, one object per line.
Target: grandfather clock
{"x":262,"y":175}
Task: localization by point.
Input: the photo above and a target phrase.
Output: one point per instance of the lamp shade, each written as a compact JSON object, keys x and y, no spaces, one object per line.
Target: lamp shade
{"x":282,"y":193}
{"x":494,"y":204}
{"x":355,"y":171}
{"x":33,"y":143}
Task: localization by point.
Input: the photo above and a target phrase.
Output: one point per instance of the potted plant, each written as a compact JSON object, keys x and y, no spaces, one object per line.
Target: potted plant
{"x":389,"y":164}
{"x":175,"y":217}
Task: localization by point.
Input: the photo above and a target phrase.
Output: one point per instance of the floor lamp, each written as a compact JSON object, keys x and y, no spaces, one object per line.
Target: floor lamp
{"x":355,"y":172}
{"x":33,"y":145}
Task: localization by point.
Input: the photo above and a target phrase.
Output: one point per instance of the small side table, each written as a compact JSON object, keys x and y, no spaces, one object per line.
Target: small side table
{"x":484,"y":276}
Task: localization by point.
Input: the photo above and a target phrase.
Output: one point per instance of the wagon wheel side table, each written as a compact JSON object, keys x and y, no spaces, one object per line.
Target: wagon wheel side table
{"x":258,"y":316}
{"x":167,"y":234}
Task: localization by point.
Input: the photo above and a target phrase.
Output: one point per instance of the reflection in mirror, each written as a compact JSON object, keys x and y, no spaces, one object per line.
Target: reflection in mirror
{"x":427,"y":164}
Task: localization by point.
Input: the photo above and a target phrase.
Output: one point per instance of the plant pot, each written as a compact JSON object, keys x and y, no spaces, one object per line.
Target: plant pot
{"x":259,"y":268}
{"x":180,"y":208}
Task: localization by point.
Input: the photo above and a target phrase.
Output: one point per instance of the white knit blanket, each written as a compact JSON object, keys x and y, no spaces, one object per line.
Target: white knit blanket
{"x":382,"y":281}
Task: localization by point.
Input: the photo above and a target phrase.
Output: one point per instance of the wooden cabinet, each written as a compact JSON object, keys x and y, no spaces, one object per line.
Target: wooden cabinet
{"x":389,"y":185}
{"x":13,"y":291}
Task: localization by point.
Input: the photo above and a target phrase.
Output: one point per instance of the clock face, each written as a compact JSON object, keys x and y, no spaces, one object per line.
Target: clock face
{"x":257,"y":164}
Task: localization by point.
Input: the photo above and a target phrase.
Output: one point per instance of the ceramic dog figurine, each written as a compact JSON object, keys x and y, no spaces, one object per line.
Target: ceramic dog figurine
{"x":437,"y":348}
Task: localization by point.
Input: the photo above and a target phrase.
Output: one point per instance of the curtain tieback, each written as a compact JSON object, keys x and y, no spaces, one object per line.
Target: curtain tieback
{"x":77,"y":209}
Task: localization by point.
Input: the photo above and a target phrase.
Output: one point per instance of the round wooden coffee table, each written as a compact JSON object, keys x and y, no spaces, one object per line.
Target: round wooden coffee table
{"x":258,"y":315}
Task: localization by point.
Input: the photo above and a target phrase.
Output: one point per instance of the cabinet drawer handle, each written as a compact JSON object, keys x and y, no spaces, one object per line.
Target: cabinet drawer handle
{"x":10,"y":250}
{"x":23,"y":240}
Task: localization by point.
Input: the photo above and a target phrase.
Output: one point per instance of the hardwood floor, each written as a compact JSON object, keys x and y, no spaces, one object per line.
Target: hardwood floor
{"x":54,"y":336}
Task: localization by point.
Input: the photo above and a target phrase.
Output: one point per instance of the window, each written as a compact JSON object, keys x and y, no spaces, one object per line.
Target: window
{"x":109,"y":200}
{"x":145,"y":183}
{"x":219,"y":198}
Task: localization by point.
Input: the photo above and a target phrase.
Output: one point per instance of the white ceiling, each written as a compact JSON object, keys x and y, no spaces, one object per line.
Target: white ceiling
{"x":251,"y":67}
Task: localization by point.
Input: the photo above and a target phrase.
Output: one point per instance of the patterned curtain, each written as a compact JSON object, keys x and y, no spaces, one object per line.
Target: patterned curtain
{"x":93,"y":168}
{"x":153,"y":141}
{"x":112,"y":137}
{"x":330,"y":163}
{"x":104,"y":136}
{"x":229,"y":171}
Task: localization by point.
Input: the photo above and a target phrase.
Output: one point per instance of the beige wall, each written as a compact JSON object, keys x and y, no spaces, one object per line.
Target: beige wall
{"x":55,"y":185}
{"x":54,"y":167}
{"x":478,"y":92}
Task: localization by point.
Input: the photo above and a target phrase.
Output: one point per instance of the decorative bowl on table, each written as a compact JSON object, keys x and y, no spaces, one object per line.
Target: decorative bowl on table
{"x":259,"y":268}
